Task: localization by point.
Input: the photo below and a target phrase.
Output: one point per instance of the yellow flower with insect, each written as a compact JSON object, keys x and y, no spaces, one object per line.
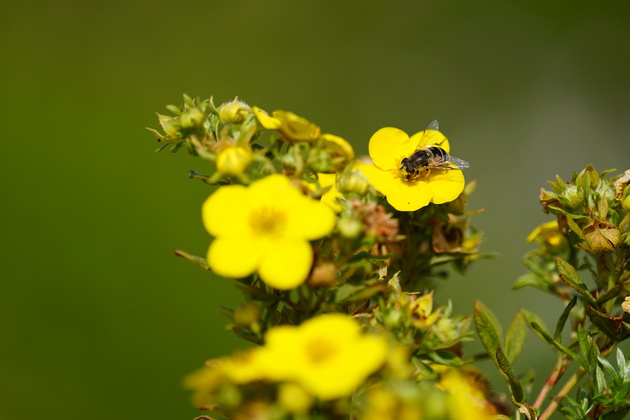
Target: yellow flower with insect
{"x":414,"y":171}
{"x":327,"y":355}
{"x":265,"y":228}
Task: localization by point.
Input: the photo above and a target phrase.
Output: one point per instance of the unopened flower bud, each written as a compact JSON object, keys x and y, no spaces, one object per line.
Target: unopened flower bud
{"x":626,"y":203}
{"x":572,"y":197}
{"x":294,"y":399}
{"x":323,"y":275}
{"x":349,"y":228}
{"x":234,"y":112}
{"x":353,"y":181}
{"x":170,"y":126}
{"x":191,"y":118}
{"x":601,"y":236}
{"x":246,"y":315}
{"x":233,"y":160}
{"x":626,"y":305}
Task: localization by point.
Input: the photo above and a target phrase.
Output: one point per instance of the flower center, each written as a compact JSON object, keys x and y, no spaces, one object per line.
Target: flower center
{"x":268,"y":221}
{"x":320,"y":350}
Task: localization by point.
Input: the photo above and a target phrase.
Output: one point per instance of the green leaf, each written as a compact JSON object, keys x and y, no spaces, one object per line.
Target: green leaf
{"x":572,"y":279}
{"x":610,"y":294}
{"x":574,"y":227}
{"x":532,"y":280}
{"x":515,"y":337}
{"x":530,"y":319}
{"x":557,"y":335}
{"x":513,"y":382}
{"x":547,"y":338}
{"x":488,"y":329}
{"x":200,"y":262}
{"x":613,"y":327}
{"x":619,"y":414}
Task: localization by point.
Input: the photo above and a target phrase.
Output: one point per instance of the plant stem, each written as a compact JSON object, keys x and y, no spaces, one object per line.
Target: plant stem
{"x":552,"y":380}
{"x":563,"y":393}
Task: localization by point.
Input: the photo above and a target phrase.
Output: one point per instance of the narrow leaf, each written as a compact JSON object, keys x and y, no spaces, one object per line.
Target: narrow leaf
{"x":574,"y":226}
{"x":546,"y":337}
{"x":609,"y":295}
{"x":532,"y":318}
{"x":613,"y":327}
{"x":515,"y":337}
{"x":557,"y":335}
{"x":515,"y":386}
{"x":572,"y":279}
{"x":488,"y":328}
{"x":200,"y":262}
{"x":568,"y":270}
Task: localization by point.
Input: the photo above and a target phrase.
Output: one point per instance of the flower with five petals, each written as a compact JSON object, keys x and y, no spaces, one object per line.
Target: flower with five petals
{"x":388,"y":147}
{"x":265,"y":227}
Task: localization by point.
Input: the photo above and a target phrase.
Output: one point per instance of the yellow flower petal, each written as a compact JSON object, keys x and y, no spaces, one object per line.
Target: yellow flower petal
{"x":330,"y":196}
{"x":226,"y":203}
{"x":379,"y":179}
{"x":310,"y":220}
{"x":409,"y":197}
{"x":429,"y":138}
{"x":401,"y":195}
{"x":389,"y":146}
{"x":338,"y":145}
{"x":265,"y":120}
{"x":286,"y":264}
{"x":234,"y":257}
{"x":446,"y":185}
{"x":295,"y":127}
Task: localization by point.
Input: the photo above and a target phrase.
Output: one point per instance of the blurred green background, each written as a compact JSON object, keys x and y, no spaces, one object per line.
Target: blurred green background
{"x":99,"y":320}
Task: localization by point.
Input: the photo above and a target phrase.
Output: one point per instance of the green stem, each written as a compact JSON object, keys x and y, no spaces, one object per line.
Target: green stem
{"x":552,"y":380}
{"x":563,"y":393}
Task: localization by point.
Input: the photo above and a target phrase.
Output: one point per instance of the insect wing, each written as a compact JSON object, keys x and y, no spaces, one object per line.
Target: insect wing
{"x":433,"y":125}
{"x":460,"y":163}
{"x":431,"y":135}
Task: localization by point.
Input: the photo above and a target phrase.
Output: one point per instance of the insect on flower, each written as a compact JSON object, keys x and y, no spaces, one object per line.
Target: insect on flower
{"x":423,"y":160}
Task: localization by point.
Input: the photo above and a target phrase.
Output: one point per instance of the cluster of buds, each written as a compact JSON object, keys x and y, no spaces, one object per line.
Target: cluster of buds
{"x":593,"y":207}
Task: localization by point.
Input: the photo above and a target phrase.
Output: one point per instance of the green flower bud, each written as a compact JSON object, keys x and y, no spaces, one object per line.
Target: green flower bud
{"x":626,"y":203}
{"x":234,"y":112}
{"x":601,"y":236}
{"x":349,"y":228}
{"x":353,"y":182}
{"x":572,"y":197}
{"x":191,"y":118}
{"x":246,"y":314}
{"x":170,"y":126}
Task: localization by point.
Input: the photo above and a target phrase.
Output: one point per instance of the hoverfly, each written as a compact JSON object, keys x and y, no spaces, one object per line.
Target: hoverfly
{"x":423,"y":160}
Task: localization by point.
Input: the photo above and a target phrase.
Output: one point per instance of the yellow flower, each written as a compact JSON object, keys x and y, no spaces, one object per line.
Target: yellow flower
{"x":326,"y":355}
{"x":292,"y":127}
{"x":466,"y":388}
{"x":548,"y":234}
{"x":422,"y":314}
{"x":388,"y":147}
{"x":338,"y":146}
{"x":383,"y":404}
{"x":265,"y":227}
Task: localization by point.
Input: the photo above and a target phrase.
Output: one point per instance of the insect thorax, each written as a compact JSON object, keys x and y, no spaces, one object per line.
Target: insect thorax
{"x":420,"y":162}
